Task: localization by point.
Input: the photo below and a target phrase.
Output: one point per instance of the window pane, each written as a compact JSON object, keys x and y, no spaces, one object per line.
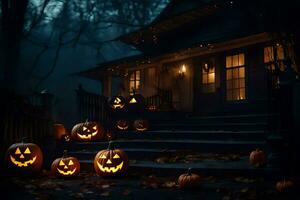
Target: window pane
{"x":131,"y":85}
{"x":138,"y":75}
{"x":229,"y":95}
{"x":137,"y":85}
{"x":204,"y":79}
{"x":280,"y":52}
{"x":229,"y":74}
{"x":211,"y":78}
{"x":235,"y":73}
{"x":236,"y":83}
{"x":268,"y":54}
{"x":241,"y":59}
{"x":241,"y":72}
{"x":235,"y":60}
{"x":242,"y":94}
{"x":132,"y":76}
{"x":229,"y":85}
{"x":242,"y":83}
{"x":235,"y":95}
{"x":211,"y":70}
{"x":229,"y":61}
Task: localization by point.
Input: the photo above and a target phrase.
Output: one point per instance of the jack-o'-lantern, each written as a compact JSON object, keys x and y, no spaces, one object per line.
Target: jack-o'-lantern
{"x":152,"y":108}
{"x":67,"y":138}
{"x":59,"y":131}
{"x":24,"y":157}
{"x":111,"y":162}
{"x":136,"y":102}
{"x":189,"y":180}
{"x":141,"y":125}
{"x":88,"y":131}
{"x":117,"y":102}
{"x":65,"y":166}
{"x":285,"y":185}
{"x":122,"y":125}
{"x":257,"y":158}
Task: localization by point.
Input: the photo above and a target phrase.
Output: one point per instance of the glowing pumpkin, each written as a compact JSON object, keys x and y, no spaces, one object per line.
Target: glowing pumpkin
{"x":122,"y":125}
{"x":24,"y":157}
{"x":285,"y":185}
{"x":65,"y":166}
{"x":152,"y":108}
{"x":111,"y":162}
{"x":257,"y":158}
{"x":88,"y":131}
{"x":141,"y":125}
{"x":117,"y":102}
{"x":136,"y":102}
{"x":189,"y":180}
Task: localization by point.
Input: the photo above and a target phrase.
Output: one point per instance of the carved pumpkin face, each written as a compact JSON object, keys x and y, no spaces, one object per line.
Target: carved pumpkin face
{"x":111,"y":162}
{"x":136,"y":102}
{"x":26,"y":157}
{"x":65,"y":167}
{"x":152,"y":108}
{"x":122,"y":125}
{"x":117,"y":102}
{"x":141,"y":125}
{"x":88,"y":131}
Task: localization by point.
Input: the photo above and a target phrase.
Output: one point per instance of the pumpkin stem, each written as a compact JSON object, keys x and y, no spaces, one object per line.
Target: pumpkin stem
{"x":189,"y":171}
{"x":87,"y":120}
{"x":23,"y":139}
{"x":65,"y":154}
{"x":110,"y":146}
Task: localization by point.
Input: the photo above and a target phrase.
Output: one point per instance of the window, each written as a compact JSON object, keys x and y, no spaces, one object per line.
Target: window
{"x":235,"y":77}
{"x":135,"y":82}
{"x":274,"y":55}
{"x":208,"y":78}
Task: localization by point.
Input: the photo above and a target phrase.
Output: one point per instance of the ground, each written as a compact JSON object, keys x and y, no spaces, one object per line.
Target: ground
{"x":139,"y":186}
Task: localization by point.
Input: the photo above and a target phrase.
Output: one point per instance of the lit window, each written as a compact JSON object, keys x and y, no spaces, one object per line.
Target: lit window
{"x":235,"y":77}
{"x":274,"y":55}
{"x":208,"y":78}
{"x":135,"y":82}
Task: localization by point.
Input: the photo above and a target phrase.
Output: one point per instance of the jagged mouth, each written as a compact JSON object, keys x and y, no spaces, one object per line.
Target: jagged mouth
{"x":110,"y":169}
{"x":67,"y":172}
{"x":89,"y":136}
{"x":122,"y":127}
{"x":22,"y":164}
{"x":141,"y":129}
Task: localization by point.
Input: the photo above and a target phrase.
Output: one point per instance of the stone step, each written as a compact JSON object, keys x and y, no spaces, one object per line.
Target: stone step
{"x":204,"y":146}
{"x":210,"y":127}
{"x":193,"y":135}
{"x":206,"y":167}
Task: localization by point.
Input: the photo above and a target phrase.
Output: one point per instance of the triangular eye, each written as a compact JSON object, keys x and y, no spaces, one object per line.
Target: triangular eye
{"x":133,"y":100}
{"x":27,"y":151}
{"x":18,"y":151}
{"x":95,"y":127}
{"x":71,"y":162}
{"x":103,"y":157}
{"x":61,"y":163}
{"x":116,"y":156}
{"x":84,"y":128}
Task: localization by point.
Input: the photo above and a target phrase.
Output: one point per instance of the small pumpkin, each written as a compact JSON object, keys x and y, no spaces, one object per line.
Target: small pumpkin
{"x":24,"y":157}
{"x":88,"y":131}
{"x":136,"y":102}
{"x":117,"y":102}
{"x":59,"y":131}
{"x":122,"y":125}
{"x":285,"y":185}
{"x":111,"y":162}
{"x":141,"y":125}
{"x":257,"y":158}
{"x":65,"y":166}
{"x":189,"y":180}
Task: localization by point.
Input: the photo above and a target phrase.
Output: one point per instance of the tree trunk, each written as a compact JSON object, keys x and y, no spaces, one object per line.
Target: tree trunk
{"x":12,"y":23}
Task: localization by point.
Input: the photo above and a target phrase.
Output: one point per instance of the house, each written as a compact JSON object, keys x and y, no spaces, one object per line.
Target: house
{"x":207,"y":56}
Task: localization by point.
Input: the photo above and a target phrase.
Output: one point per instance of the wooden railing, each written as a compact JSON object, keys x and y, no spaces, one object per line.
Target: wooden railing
{"x":92,"y":107}
{"x":162,"y":97}
{"x":27,"y":117}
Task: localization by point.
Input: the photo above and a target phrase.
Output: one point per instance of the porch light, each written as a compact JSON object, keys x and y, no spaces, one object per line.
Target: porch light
{"x":182,"y":71}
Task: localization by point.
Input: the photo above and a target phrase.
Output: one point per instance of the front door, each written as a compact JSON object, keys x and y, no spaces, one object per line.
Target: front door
{"x":206,"y":90}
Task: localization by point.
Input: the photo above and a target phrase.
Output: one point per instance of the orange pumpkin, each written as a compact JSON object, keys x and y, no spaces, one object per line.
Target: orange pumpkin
{"x":285,"y":185}
{"x":88,"y":131}
{"x":24,"y":157}
{"x":257,"y":158}
{"x":117,"y":102}
{"x":59,"y":131}
{"x":111,"y":162}
{"x":122,"y":125}
{"x":141,"y":125}
{"x":65,"y":166}
{"x":189,"y":180}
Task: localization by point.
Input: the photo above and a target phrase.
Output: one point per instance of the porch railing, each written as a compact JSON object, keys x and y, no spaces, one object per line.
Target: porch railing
{"x":92,"y":106}
{"x":162,"y":97}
